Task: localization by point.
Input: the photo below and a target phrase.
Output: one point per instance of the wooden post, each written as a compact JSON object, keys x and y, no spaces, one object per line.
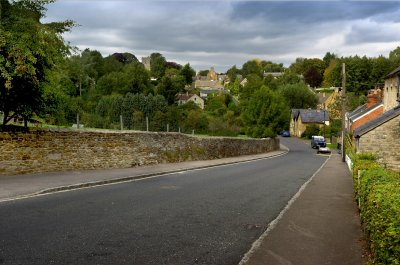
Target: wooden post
{"x":343,"y":112}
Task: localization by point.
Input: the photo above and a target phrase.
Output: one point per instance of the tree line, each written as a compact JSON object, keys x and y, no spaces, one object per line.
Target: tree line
{"x":43,"y":77}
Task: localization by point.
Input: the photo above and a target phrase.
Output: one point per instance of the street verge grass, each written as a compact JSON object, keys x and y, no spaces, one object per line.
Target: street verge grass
{"x":377,"y":191}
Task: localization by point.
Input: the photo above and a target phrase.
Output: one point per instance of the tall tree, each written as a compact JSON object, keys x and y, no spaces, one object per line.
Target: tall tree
{"x":232,"y":73}
{"x":252,"y":67}
{"x":328,"y":58}
{"x":299,"y":96}
{"x":266,"y":114}
{"x":158,"y":64}
{"x":188,"y":72}
{"x":27,"y":49}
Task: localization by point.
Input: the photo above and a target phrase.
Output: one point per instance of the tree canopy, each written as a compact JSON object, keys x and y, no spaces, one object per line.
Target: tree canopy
{"x":28,"y":48}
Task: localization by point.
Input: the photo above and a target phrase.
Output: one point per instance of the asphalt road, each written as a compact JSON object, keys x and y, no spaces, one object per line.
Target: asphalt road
{"x":209,"y":216}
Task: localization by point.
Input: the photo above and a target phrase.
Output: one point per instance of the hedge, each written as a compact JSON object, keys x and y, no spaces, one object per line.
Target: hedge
{"x":378,"y":191}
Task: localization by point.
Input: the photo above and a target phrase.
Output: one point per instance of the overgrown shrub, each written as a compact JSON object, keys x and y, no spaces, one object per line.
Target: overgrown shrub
{"x":311,"y":130}
{"x":378,"y":191}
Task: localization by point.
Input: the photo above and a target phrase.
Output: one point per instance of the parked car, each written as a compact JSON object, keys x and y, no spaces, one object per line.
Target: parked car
{"x":317,"y":141}
{"x":323,"y":150}
{"x":285,"y":134}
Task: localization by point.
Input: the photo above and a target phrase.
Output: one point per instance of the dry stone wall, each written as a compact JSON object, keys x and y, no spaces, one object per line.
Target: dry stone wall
{"x":41,"y":150}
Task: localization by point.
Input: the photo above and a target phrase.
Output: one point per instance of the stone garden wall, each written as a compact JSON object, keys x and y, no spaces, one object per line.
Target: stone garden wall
{"x":45,"y":150}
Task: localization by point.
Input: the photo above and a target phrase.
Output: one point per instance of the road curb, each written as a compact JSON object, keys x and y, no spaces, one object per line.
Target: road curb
{"x":283,"y":151}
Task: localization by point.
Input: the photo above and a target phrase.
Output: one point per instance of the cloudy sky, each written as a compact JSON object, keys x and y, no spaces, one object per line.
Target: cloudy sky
{"x":226,"y":33}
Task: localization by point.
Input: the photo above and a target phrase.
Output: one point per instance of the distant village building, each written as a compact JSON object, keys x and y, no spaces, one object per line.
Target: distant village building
{"x":209,"y":84}
{"x":301,"y":118}
{"x":146,"y":62}
{"x":212,"y":75}
{"x":183,"y":98}
{"x":273,"y":74}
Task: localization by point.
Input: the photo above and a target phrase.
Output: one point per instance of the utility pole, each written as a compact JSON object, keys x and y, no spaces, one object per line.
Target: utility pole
{"x":343,"y":112}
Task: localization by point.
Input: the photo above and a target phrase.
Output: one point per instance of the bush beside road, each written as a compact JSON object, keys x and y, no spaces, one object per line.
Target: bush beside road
{"x":377,"y":191}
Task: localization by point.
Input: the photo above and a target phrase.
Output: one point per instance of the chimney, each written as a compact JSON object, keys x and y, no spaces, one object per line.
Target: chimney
{"x":374,"y":97}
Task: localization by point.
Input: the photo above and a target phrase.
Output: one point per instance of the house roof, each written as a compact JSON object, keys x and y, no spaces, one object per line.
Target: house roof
{"x":393,"y":73}
{"x":274,"y":74}
{"x":208,"y":84}
{"x":208,"y":91}
{"x":378,"y":121}
{"x":295,"y":113}
{"x":183,"y":96}
{"x":313,"y":116}
{"x":361,"y":110}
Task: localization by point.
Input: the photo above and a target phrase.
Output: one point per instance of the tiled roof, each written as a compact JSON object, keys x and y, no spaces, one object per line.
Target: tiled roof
{"x":208,"y":83}
{"x":313,"y":116}
{"x":394,"y":72}
{"x":372,"y":124}
{"x":184,"y":96}
{"x":295,"y":113}
{"x":361,"y":110}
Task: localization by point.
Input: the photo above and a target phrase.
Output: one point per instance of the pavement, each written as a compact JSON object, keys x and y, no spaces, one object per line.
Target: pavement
{"x":319,"y":225}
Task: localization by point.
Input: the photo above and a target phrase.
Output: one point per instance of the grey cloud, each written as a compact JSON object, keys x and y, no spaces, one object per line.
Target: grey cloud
{"x":372,"y":34}
{"x":312,"y":11}
{"x":219,"y":32}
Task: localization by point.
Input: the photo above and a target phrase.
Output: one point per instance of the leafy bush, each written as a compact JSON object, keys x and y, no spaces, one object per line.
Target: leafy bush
{"x":379,"y":193}
{"x":311,"y":130}
{"x":366,"y":156}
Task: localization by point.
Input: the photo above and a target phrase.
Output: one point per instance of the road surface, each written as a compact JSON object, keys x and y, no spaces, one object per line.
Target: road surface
{"x":208,"y":216}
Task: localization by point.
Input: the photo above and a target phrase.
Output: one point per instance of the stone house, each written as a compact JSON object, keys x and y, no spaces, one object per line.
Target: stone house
{"x":186,"y":97}
{"x":391,"y":90}
{"x":364,"y":113}
{"x":301,"y":118}
{"x":381,"y":135}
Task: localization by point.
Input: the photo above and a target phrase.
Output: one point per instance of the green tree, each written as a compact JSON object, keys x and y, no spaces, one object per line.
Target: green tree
{"x":203,"y":72}
{"x":271,"y":67}
{"x":158,"y":65}
{"x":254,"y":82}
{"x":133,"y":78}
{"x":328,"y":58}
{"x":232,"y":73}
{"x":217,"y":104}
{"x":299,"y":96}
{"x":235,"y":87}
{"x":196,"y":120}
{"x":170,"y":86}
{"x":252,"y":67}
{"x":313,"y":77}
{"x":28,"y":48}
{"x":311,"y":69}
{"x":266,"y":114}
{"x":188,"y":72}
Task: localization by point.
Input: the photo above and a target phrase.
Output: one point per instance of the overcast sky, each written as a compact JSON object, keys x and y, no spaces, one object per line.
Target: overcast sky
{"x":226,"y":33}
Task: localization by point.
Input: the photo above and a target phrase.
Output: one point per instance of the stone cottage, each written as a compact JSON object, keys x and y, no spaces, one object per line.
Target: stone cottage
{"x":381,"y":137}
{"x":183,"y":98}
{"x":301,"y":118}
